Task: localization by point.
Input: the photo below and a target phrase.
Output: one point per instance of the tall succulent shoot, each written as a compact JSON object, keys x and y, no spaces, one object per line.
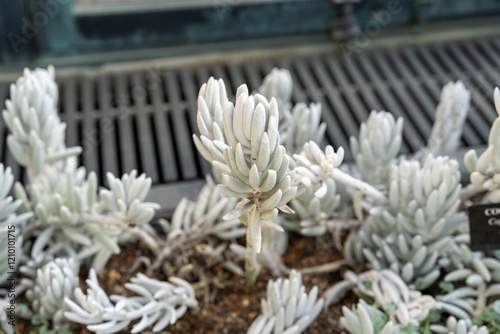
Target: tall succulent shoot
{"x":37,"y":133}
{"x":379,"y":142}
{"x":278,"y":84}
{"x":255,"y":166}
{"x":449,"y":121}
{"x":485,"y":170}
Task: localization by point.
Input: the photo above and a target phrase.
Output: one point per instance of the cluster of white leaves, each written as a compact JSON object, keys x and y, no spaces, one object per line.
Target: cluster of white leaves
{"x":379,"y":142}
{"x":485,"y":170}
{"x":9,"y":223}
{"x":479,"y":279}
{"x":416,"y":227}
{"x":454,"y":326}
{"x":69,"y":209}
{"x":278,"y":84}
{"x":303,"y":125}
{"x":159,"y":303}
{"x":325,"y":165}
{"x":314,"y":202}
{"x":255,"y":166}
{"x":366,"y":319}
{"x":287,"y":308}
{"x":37,"y":133}
{"x":125,"y":199}
{"x":54,"y":282}
{"x":449,"y":121}
{"x":402,"y":304}
{"x":192,"y":222}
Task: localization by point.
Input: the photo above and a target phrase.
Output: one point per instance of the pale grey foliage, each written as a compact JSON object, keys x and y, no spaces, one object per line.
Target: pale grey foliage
{"x":325,"y":164}
{"x":125,"y":199}
{"x":159,"y":303}
{"x":378,"y":144}
{"x":461,"y":326}
{"x":278,"y":84}
{"x":479,"y":280}
{"x":450,"y":116}
{"x":253,"y":163}
{"x":313,"y":204}
{"x":54,"y":282}
{"x":485,"y":170}
{"x":193,"y":222}
{"x":9,"y":223}
{"x":37,"y":133}
{"x":403,"y":304}
{"x":416,"y":228}
{"x":287,"y":308}
{"x":302,"y":125}
{"x":68,"y":209}
{"x":360,"y":320}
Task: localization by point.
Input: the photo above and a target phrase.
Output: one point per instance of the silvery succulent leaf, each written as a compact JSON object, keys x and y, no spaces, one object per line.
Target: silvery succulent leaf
{"x":449,"y":121}
{"x":379,"y":142}
{"x":287,"y":307}
{"x":37,"y":133}
{"x":458,"y":326}
{"x":156,"y":302}
{"x":484,"y":169}
{"x":54,"y":283}
{"x":278,"y":84}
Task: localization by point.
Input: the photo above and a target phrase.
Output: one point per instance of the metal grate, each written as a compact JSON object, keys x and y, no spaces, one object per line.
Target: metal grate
{"x":144,"y":119}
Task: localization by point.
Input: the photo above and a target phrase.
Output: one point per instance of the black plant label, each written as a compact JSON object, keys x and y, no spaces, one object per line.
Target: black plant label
{"x":484,"y":222}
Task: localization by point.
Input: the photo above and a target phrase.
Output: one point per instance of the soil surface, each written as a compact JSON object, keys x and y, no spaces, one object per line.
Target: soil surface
{"x":224,"y":305}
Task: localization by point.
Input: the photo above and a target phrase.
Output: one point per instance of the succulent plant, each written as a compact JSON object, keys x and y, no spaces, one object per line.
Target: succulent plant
{"x":402,"y":305}
{"x":417,"y":227}
{"x":54,"y":282}
{"x":313,"y":204}
{"x":379,"y":142}
{"x":366,"y":319}
{"x":485,"y":170}
{"x":287,"y":307}
{"x":448,"y":121}
{"x":254,"y":166}
{"x":301,"y":126}
{"x":278,"y":84}
{"x":157,"y":302}
{"x":37,"y":133}
{"x":461,"y":326}
{"x":195,"y":221}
